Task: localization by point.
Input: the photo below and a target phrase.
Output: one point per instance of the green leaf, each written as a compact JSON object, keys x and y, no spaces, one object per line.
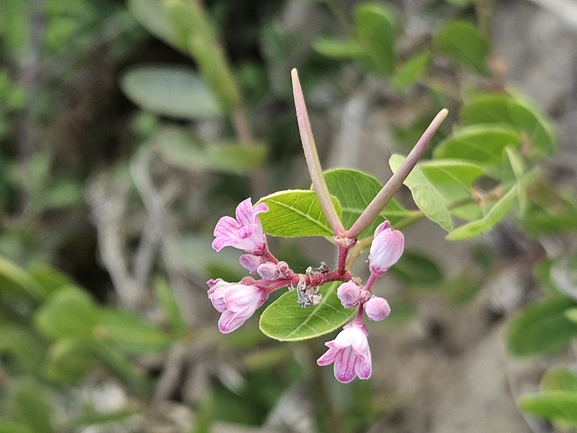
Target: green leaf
{"x":495,"y":214}
{"x":550,"y":210}
{"x":454,"y":179}
{"x":21,"y":347}
{"x":153,"y":17}
{"x":355,"y":190}
{"x":9,"y":426}
{"x":559,"y":379}
{"x":571,"y":314}
{"x":215,"y":71}
{"x":375,"y":33}
{"x":69,"y":360}
{"x":338,"y":49}
{"x":16,"y":281}
{"x":286,"y":320}
{"x":541,"y":328}
{"x":31,"y":407}
{"x":557,"y":406}
{"x":462,"y":288}
{"x":130,"y":332}
{"x":463,"y":41}
{"x":166,"y":297}
{"x":513,"y":163}
{"x":513,"y":112}
{"x":50,"y":278}
{"x":412,"y":70}
{"x":121,"y":366}
{"x":186,"y":19}
{"x":194,"y":253}
{"x":426,"y":196}
{"x":296,"y":213}
{"x":180,"y":148}
{"x":542,"y":276}
{"x":68,"y":313}
{"x":414,"y":268}
{"x":482,"y":144}
{"x":173,"y":91}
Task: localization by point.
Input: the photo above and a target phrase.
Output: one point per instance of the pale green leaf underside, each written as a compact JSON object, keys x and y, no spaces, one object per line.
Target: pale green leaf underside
{"x":286,"y":320}
{"x":173,"y":91}
{"x":426,"y":196}
{"x":296,"y":213}
{"x":180,"y":148}
{"x":558,"y":406}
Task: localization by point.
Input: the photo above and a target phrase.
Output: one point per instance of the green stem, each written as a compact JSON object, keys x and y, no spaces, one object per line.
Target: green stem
{"x":394,"y":183}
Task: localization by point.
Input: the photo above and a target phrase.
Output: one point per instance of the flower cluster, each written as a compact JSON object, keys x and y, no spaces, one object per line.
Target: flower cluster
{"x":349,"y":351}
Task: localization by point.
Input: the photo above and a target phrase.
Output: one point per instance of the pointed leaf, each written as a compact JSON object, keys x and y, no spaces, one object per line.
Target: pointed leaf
{"x":412,"y":70}
{"x":426,"y":196}
{"x":541,"y":328}
{"x":296,"y":213}
{"x":173,"y":91}
{"x":454,"y":179}
{"x":490,"y":220}
{"x":286,"y":320}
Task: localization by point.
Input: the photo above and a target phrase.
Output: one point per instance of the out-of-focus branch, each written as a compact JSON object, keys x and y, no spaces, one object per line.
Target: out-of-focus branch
{"x":108,"y":203}
{"x":30,"y":82}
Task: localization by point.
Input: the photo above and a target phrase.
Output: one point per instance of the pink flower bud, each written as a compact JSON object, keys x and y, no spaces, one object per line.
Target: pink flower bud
{"x":236,"y":301}
{"x":245,"y":232}
{"x":386,"y":249}
{"x":268,"y":271}
{"x":349,"y":294}
{"x":377,"y":308}
{"x":350,"y":353}
{"x":251,"y":262}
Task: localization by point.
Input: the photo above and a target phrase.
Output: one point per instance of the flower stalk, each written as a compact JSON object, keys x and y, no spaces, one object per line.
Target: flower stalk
{"x":312,"y":157}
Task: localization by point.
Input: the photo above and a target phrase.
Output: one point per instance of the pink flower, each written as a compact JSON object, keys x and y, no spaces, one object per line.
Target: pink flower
{"x":350,"y":353}
{"x":349,"y":294}
{"x":236,"y":301}
{"x":386,"y":249}
{"x":245,"y":232}
{"x":377,"y":308}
